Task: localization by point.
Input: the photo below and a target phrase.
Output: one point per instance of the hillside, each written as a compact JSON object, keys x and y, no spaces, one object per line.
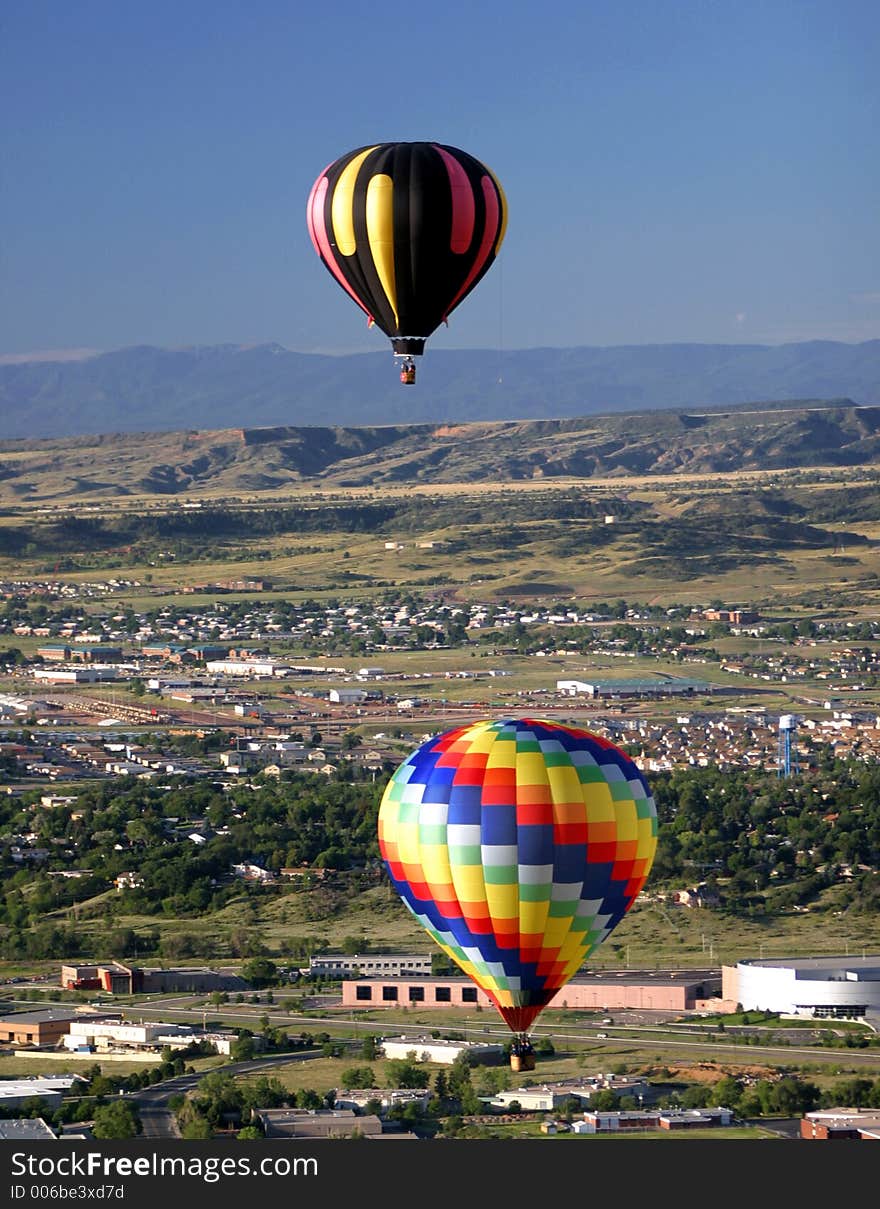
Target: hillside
{"x":155,"y":389}
{"x":246,"y":460}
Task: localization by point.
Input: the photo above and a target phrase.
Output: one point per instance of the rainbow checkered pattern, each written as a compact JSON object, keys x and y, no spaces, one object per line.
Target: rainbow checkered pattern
{"x":519,"y":845}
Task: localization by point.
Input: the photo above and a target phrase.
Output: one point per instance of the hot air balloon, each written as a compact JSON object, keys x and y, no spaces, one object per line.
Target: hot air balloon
{"x":408,"y":230}
{"x":519,"y":845}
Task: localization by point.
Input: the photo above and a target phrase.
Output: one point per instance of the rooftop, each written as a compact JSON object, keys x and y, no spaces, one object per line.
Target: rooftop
{"x":46,"y":1016}
{"x":22,"y":1129}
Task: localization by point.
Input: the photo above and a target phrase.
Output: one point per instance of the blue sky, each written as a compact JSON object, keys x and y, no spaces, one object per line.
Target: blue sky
{"x":675,"y":171}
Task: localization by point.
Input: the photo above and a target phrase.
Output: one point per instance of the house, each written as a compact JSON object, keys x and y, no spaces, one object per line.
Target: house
{"x":696,"y":896}
{"x":301,"y":872}
{"x":250,"y":872}
{"x":128,"y":881}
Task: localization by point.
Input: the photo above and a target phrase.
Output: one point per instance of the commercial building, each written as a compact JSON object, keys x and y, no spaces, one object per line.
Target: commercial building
{"x":55,"y":652}
{"x":40,"y":1029}
{"x":111,"y":976}
{"x":387,"y":1097}
{"x":76,"y":675}
{"x":112,"y":1036}
{"x":667,"y":1118}
{"x":436,"y":1049}
{"x":815,"y":987}
{"x":257,"y":668}
{"x":642,"y":990}
{"x":305,"y":1123}
{"x":97,"y":653}
{"x":383,"y":965}
{"x":26,"y":1129}
{"x":348,"y":696}
{"x":549,"y":1096}
{"x":615,"y":689}
{"x":50,"y":1089}
{"x":119,"y":979}
{"x":831,"y":1124}
{"x":12,"y":705}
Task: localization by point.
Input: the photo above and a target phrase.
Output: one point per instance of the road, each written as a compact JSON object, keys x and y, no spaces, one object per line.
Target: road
{"x":158,"y":1120}
{"x":632,"y":1035}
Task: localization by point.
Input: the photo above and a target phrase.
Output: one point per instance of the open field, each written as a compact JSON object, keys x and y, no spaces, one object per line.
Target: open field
{"x":12,"y":1067}
{"x":650,"y":935}
{"x":501,"y":527}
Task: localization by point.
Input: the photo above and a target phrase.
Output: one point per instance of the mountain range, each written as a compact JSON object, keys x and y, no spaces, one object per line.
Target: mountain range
{"x":235,"y":461}
{"x":150,"y":389}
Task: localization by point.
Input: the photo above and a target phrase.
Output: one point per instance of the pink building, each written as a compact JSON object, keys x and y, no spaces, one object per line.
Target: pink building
{"x":642,"y":990}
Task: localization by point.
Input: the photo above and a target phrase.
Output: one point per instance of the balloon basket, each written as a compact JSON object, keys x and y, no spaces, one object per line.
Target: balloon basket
{"x":522,"y":1055}
{"x":520,"y":1062}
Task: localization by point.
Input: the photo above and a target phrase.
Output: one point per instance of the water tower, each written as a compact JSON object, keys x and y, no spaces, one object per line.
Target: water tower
{"x":788,"y":759}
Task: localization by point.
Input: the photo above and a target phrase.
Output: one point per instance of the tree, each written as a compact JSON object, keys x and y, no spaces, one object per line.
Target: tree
{"x":118,"y":1120}
{"x":196,"y":1129}
{"x":357,"y":1076}
{"x":259,"y":972}
{"x":402,"y":1072}
{"x":242,"y":1048}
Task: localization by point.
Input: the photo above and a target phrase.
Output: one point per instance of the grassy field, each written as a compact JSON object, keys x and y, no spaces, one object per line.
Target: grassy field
{"x":12,"y":1067}
{"x":490,"y":557}
{"x":651,"y":935}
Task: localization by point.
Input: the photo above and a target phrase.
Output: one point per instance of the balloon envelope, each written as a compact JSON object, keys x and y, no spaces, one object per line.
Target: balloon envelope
{"x":519,"y":845}
{"x":407,"y":230}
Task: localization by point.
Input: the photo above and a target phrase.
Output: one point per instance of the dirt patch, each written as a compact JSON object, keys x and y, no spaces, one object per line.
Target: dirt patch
{"x":709,"y":1072}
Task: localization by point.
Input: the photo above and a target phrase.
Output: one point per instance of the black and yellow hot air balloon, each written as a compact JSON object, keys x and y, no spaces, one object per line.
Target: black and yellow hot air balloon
{"x":408,"y":230}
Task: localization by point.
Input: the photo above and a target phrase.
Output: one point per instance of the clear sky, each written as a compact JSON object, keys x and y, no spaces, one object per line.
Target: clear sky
{"x":675,"y":170}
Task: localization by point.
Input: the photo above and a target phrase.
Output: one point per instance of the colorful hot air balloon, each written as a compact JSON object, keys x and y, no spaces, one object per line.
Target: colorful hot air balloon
{"x":407,"y":229}
{"x":519,"y":845}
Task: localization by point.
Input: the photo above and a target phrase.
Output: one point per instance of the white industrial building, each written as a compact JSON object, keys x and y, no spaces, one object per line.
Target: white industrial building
{"x":548,"y":1096}
{"x":96,"y":673}
{"x":49,"y":1088}
{"x":358,"y":965}
{"x":816,"y":987}
{"x":437,"y":1049}
{"x":12,"y":705}
{"x":104,"y":1036}
{"x":387,"y":1097}
{"x":257,"y":668}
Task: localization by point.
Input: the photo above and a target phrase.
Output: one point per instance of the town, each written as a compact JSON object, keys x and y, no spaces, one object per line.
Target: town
{"x":263,"y":671}
{"x":164,"y":766}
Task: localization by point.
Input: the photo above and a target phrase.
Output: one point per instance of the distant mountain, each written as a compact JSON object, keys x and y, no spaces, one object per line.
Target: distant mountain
{"x":144,"y":389}
{"x":234,"y":462}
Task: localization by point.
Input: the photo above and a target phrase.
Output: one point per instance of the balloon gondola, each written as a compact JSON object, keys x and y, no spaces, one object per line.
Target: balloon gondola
{"x":519,"y":845}
{"x":407,"y":230}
